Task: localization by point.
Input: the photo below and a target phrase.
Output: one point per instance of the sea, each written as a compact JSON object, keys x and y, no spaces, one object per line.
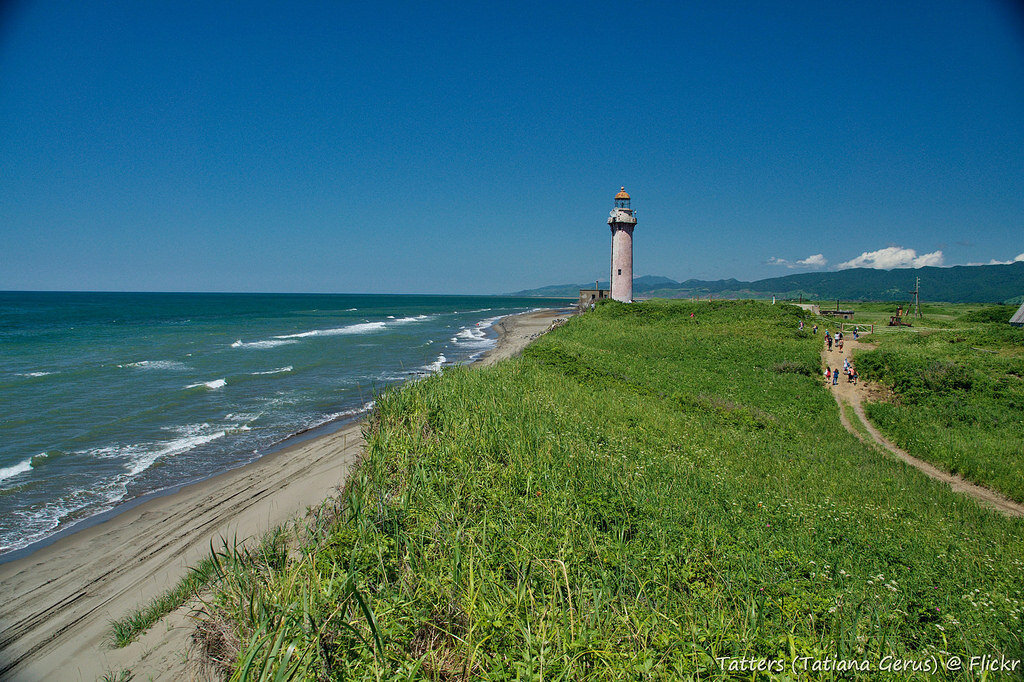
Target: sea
{"x":109,"y":397}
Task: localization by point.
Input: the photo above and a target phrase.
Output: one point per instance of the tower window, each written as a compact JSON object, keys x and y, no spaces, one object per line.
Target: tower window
{"x":620,"y":271}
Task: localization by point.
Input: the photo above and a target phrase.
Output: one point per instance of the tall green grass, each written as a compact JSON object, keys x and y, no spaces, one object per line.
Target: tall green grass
{"x":638,"y":495}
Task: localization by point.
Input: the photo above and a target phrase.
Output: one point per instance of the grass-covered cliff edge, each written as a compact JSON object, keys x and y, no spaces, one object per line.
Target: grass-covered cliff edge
{"x":640,"y":495}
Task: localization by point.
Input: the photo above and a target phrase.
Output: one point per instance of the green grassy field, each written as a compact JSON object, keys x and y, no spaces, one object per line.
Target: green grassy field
{"x":642,"y":495}
{"x":959,"y":389}
{"x":933,"y":315}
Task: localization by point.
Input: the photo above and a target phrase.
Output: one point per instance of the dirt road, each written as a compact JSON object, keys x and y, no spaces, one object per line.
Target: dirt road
{"x":854,"y":395}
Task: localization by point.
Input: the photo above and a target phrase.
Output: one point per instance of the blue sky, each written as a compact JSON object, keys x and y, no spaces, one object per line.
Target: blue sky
{"x":476,"y":147}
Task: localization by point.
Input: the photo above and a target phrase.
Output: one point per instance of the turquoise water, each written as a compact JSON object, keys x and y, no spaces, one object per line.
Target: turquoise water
{"x":108,"y":396}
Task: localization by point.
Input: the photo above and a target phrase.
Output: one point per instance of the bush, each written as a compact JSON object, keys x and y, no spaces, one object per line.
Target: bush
{"x":996,"y":313}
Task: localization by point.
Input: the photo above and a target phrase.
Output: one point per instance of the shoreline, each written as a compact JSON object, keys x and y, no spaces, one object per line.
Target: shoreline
{"x":63,"y":594}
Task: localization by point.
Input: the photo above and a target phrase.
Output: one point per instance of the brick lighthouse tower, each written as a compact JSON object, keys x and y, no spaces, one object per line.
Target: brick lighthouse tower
{"x":622,"y":222}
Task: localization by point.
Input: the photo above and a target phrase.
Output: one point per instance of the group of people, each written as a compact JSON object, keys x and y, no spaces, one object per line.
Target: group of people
{"x":815,"y":328}
{"x":832,"y":374}
{"x":836,"y":340}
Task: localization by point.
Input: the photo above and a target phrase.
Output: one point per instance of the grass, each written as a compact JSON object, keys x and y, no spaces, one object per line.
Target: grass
{"x":124,"y":630}
{"x":118,"y":676}
{"x":959,"y":397}
{"x":932,"y":314}
{"x":639,"y":495}
{"x":854,"y":419}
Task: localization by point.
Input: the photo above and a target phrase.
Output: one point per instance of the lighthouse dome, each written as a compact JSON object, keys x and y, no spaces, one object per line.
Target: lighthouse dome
{"x":622,"y":195}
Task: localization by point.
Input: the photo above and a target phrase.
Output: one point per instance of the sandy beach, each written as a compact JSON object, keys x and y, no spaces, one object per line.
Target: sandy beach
{"x":59,"y":601}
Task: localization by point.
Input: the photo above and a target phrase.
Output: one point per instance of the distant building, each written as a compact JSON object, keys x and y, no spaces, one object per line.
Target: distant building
{"x":622,"y":221}
{"x":844,"y":314}
{"x":589,"y":297}
{"x":1018,"y":317}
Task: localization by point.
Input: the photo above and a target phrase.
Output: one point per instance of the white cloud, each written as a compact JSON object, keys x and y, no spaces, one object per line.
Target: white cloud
{"x":892,"y":257}
{"x":1018,"y":259}
{"x":815,"y":261}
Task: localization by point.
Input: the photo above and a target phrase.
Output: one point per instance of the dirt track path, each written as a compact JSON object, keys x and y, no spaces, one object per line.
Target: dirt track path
{"x":854,"y":396}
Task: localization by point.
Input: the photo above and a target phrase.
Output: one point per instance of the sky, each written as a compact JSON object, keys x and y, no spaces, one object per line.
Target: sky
{"x":476,"y":147}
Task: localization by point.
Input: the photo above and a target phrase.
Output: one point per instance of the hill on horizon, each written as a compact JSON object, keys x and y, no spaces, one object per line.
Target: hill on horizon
{"x":957,"y":284}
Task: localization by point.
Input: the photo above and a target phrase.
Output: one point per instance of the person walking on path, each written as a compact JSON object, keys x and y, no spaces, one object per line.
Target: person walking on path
{"x":828,"y":375}
{"x":835,"y":377}
{"x":828,"y":342}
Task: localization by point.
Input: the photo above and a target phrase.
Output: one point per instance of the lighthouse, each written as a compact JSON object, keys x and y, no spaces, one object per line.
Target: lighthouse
{"x":622,"y":221}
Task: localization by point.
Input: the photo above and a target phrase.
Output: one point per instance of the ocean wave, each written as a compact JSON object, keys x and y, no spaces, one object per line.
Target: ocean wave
{"x":46,"y":457}
{"x":269,"y":343}
{"x":436,"y":365}
{"x":36,"y":523}
{"x":212,"y":385}
{"x":414,"y":318}
{"x":19,"y":468}
{"x":155,"y":364}
{"x":470,"y":334}
{"x":279,"y":370}
{"x":142,"y":457}
{"x":475,"y":337}
{"x":335,"y":416}
{"x":243,"y":416}
{"x":358,"y":328}
{"x":33,"y":374}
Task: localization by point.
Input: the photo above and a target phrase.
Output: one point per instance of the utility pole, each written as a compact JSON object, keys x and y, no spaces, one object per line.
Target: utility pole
{"x":917,"y":297}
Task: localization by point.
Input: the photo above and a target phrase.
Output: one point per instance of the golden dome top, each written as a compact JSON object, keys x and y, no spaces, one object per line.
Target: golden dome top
{"x":622,"y":194}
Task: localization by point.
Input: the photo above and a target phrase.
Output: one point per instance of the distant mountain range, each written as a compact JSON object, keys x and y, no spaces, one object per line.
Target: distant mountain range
{"x":958,"y":284}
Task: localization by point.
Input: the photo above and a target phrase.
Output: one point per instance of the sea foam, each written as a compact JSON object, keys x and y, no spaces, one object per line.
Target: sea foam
{"x":414,"y":318}
{"x":156,"y":364}
{"x":19,"y":468}
{"x":436,"y":365}
{"x":344,"y":414}
{"x":269,"y":343}
{"x":279,"y":370}
{"x":358,"y":328}
{"x":215,"y":384}
{"x":143,"y":456}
